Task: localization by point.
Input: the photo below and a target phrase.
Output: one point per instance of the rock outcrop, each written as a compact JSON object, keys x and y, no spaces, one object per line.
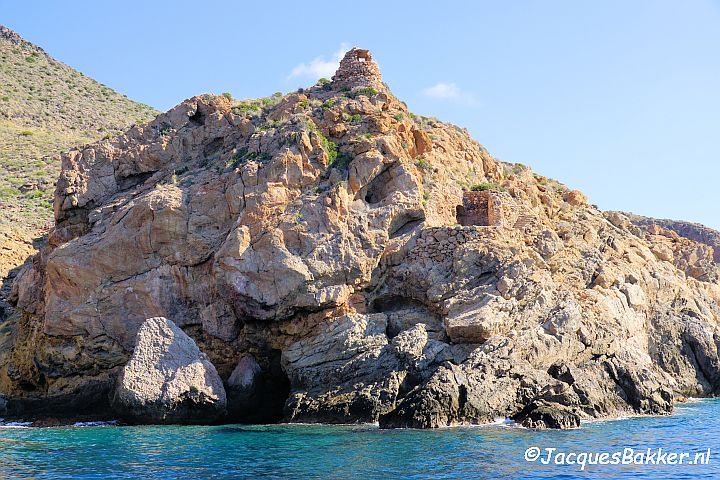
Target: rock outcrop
{"x":168,"y":379}
{"x":692,"y":231}
{"x":327,"y":251}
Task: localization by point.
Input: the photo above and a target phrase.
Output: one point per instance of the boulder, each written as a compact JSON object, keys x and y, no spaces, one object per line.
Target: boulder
{"x":477,"y":325}
{"x":168,"y":379}
{"x":575,"y":197}
{"x":244,"y":378}
{"x":244,"y":388}
{"x":540,"y":415}
{"x":446,"y":399}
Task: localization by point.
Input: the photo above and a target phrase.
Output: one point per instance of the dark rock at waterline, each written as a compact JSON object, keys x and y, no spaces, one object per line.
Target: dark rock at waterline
{"x":256,"y":394}
{"x":548,"y":415}
{"x":447,"y":398}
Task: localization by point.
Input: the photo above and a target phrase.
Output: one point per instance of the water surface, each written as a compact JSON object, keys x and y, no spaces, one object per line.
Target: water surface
{"x":341,"y":452}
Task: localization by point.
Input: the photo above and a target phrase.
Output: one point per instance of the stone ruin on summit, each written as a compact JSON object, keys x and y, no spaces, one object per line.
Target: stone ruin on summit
{"x":357,"y":69}
{"x":485,"y":208}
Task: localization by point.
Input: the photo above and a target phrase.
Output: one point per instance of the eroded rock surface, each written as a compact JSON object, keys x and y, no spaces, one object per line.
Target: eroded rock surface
{"x":326,"y":251}
{"x":168,"y":379}
{"x":692,"y":231}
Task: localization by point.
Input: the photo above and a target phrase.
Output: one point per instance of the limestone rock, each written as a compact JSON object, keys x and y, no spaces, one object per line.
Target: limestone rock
{"x":343,"y":371}
{"x":443,"y":401}
{"x":692,"y":231}
{"x":245,"y":376}
{"x":477,"y":325}
{"x":168,"y":379}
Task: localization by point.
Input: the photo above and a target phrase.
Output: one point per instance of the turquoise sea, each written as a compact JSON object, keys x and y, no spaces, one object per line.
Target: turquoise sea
{"x":343,"y":452}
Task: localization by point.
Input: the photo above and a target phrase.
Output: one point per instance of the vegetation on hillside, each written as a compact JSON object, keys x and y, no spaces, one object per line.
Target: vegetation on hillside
{"x":46,"y":107}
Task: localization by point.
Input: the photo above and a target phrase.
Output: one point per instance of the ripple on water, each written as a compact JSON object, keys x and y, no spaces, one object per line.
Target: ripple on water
{"x":358,"y":451}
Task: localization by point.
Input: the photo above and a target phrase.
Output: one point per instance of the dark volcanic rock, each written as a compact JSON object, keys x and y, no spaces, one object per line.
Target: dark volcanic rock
{"x":548,"y":415}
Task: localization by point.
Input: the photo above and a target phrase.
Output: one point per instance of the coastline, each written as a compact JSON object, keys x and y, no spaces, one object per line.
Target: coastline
{"x":99,"y":420}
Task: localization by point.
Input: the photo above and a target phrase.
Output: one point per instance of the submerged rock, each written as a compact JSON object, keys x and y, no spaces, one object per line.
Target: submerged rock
{"x":168,"y":379}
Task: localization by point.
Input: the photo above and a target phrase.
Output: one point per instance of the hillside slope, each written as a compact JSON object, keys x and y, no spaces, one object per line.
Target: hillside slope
{"x":327,"y":256}
{"x":46,"y":107}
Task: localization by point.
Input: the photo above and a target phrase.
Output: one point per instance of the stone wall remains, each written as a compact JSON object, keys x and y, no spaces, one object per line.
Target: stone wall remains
{"x":439,"y":243}
{"x":357,"y":69}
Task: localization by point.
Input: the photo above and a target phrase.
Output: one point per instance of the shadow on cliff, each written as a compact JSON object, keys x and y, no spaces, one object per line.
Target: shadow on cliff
{"x":6,"y":300}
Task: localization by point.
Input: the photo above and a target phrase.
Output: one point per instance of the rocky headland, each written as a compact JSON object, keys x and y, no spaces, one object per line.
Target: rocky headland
{"x":327,"y":256}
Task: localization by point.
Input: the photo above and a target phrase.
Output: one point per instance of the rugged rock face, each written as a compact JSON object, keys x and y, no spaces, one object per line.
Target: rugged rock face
{"x":325,"y":250}
{"x":168,"y":379}
{"x":692,"y":231}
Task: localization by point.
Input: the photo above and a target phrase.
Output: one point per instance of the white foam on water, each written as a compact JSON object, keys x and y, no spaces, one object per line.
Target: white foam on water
{"x":15,"y":424}
{"x":506,"y":422}
{"x":315,"y":424}
{"x":694,"y":400}
{"x":502,"y":422}
{"x":618,"y":418}
{"x":108,"y":423}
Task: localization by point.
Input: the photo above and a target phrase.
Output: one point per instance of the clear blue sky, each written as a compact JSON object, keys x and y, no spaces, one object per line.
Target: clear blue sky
{"x":620,"y":99}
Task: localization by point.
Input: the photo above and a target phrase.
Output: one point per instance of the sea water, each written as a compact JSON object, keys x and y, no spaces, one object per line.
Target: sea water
{"x":361,"y":451}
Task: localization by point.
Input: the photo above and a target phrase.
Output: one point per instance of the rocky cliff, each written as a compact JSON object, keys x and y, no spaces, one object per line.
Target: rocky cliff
{"x":678,"y":228}
{"x":327,"y":256}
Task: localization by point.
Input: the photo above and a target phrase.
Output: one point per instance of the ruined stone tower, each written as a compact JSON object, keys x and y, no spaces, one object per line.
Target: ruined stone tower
{"x":357,"y":69}
{"x":479,"y":208}
{"x":488,"y":208}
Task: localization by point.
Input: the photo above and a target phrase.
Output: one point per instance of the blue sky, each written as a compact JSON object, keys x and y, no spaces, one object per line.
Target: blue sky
{"x":619,"y":99}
